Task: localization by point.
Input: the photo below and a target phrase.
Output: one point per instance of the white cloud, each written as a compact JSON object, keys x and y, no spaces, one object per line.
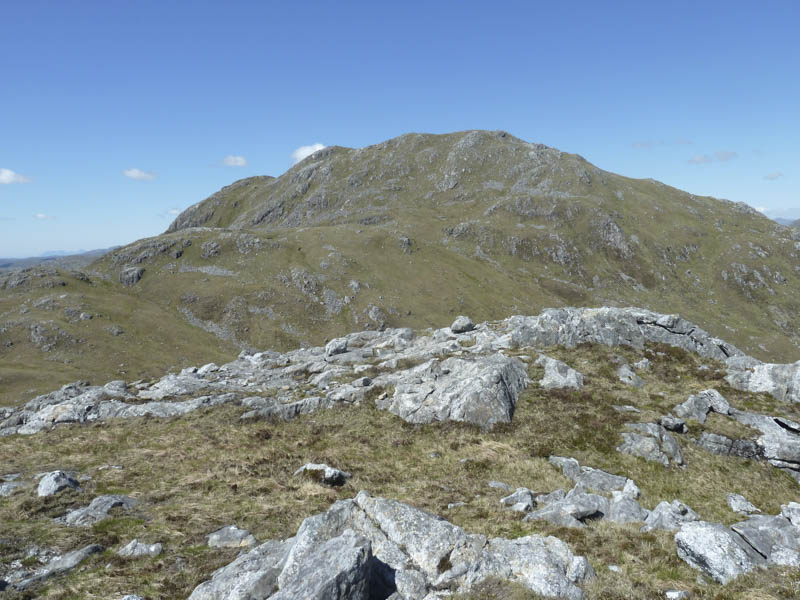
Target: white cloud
{"x":174,"y":211}
{"x":8,"y":176}
{"x":724,"y":155}
{"x":773,"y":176}
{"x":305,"y":151}
{"x":762,"y":209}
{"x":40,"y":216}
{"x":720,"y":156}
{"x":234,"y":161}
{"x":138,"y":174}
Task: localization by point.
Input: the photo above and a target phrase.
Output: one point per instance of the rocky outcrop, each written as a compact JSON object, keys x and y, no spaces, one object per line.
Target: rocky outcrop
{"x":779,"y":442}
{"x":435,"y":375}
{"x":651,"y":442}
{"x":716,"y":550}
{"x":725,"y":553}
{"x":780,"y":381}
{"x":697,"y":406}
{"x":135,"y":549}
{"x":97,"y":510}
{"x":373,"y":548}
{"x":57,"y":566}
{"x":615,"y":327}
{"x":481,"y":391}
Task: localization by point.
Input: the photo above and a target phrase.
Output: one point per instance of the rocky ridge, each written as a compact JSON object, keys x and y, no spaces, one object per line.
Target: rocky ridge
{"x":469,"y":373}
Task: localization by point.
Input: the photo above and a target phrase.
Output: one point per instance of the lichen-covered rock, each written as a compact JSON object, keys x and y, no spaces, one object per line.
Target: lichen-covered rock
{"x":716,"y":550}
{"x":750,"y":375}
{"x":627,"y":376}
{"x":740,"y":504}
{"x":651,"y":442}
{"x":97,"y":510}
{"x":378,"y":548}
{"x":482,"y":391}
{"x":697,"y":406}
{"x":55,"y":482}
{"x":462,"y":324}
{"x":251,"y":575}
{"x":131,"y":275}
{"x":669,"y":516}
{"x":615,"y":327}
{"x":135,"y":549}
{"x":58,"y":566}
{"x":231,"y":537}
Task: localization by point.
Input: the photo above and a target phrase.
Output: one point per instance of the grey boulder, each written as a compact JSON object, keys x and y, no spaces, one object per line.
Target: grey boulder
{"x":462,"y":324}
{"x":716,"y":550}
{"x":697,"y":406}
{"x":97,"y":510}
{"x":750,"y":375}
{"x":651,"y":442}
{"x":558,"y":374}
{"x":740,"y":504}
{"x":135,"y":549}
{"x":59,"y":565}
{"x":627,"y":376}
{"x":252,"y":575}
{"x":55,"y":482}
{"x":669,"y":516}
{"x":231,"y":537}
{"x":338,"y":569}
{"x":482,"y":391}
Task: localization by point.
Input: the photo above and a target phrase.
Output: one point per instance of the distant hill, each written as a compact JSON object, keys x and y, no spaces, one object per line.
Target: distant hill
{"x":57,"y":259}
{"x":409,"y":232}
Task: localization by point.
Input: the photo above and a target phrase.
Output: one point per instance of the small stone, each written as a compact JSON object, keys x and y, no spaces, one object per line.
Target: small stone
{"x":462,"y":324}
{"x":499,"y":485}
{"x":625,"y":408}
{"x":614,"y":569}
{"x":322,"y":473}
{"x":453,"y":505}
{"x":54,"y":482}
{"x":628,"y":377}
{"x":520,"y":501}
{"x":336,"y":346}
{"x":231,"y":537}
{"x":135,"y":548}
{"x":740,"y":504}
{"x":671,"y":423}
{"x":676,"y":595}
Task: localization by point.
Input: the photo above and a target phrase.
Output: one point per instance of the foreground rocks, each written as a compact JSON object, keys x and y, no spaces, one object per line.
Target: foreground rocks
{"x":373,"y":547}
{"x":459,"y":373}
{"x":724,"y":553}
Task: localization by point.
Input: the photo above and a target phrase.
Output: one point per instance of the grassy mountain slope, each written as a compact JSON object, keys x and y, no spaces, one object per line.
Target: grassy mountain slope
{"x":419,"y":228}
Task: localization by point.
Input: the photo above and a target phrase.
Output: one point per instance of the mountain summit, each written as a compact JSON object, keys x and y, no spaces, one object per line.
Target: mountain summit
{"x":411,"y":232}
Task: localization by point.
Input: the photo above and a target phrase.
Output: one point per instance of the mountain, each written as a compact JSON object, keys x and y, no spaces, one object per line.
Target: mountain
{"x":784,"y":221}
{"x":267,"y":400}
{"x":411,"y":232}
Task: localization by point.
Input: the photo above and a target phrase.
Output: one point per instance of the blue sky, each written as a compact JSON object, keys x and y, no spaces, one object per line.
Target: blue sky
{"x":114,"y":115}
